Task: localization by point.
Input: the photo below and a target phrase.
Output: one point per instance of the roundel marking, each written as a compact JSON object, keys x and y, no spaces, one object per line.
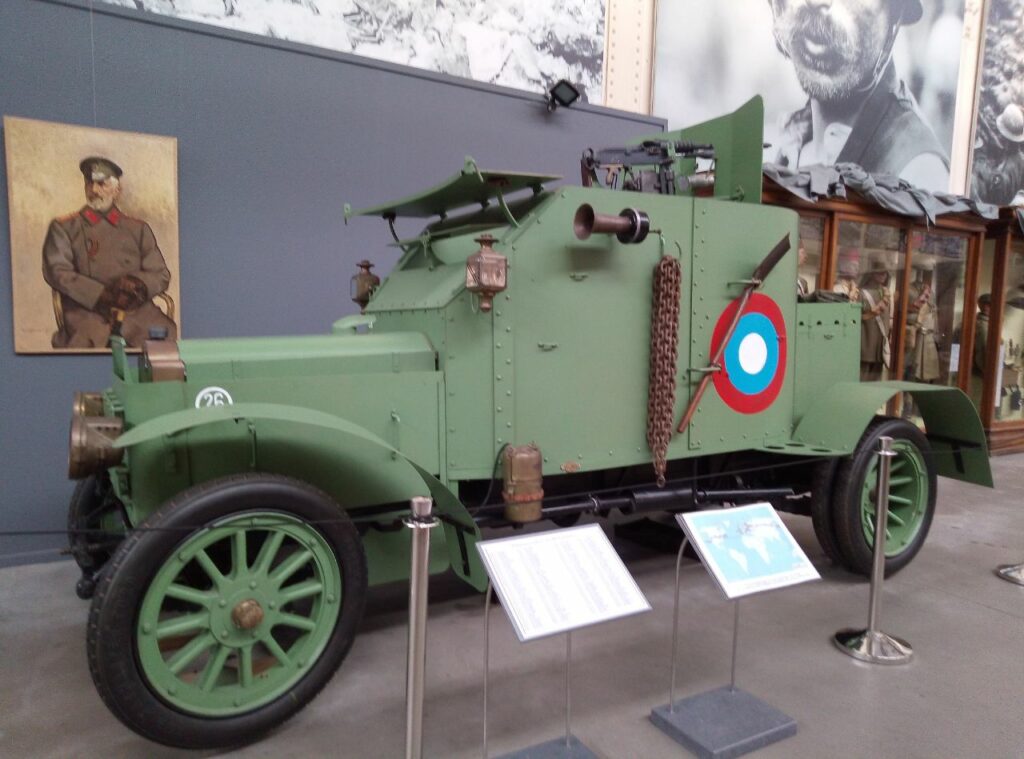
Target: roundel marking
{"x":754,"y":360}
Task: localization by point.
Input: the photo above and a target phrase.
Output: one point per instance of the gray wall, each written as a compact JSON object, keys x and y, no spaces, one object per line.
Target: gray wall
{"x":272,"y":139}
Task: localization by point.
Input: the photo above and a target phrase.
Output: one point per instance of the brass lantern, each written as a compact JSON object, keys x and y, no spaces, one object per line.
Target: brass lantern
{"x":486,"y":272}
{"x":363,"y":284}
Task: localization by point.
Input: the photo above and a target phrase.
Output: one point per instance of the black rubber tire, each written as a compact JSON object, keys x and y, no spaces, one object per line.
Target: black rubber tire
{"x":822,"y":482}
{"x":854,"y":549}
{"x":84,"y":514}
{"x":110,"y":639}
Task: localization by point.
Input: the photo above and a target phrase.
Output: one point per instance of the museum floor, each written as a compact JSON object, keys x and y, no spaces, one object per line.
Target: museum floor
{"x":961,"y":697}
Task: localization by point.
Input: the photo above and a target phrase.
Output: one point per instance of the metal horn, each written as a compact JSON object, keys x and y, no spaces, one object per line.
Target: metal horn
{"x":630,"y":226}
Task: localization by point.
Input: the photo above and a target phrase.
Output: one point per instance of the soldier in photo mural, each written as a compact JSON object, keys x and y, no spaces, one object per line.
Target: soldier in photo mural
{"x":859,"y":110}
{"x":106,"y":266}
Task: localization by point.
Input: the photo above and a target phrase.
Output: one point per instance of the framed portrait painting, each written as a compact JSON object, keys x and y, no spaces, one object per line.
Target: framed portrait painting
{"x":94,"y":236}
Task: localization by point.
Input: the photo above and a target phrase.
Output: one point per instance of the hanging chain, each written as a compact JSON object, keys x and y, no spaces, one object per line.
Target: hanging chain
{"x":661,"y":398}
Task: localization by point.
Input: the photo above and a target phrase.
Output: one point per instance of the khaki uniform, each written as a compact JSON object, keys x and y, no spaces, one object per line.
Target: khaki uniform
{"x":86,"y":251}
{"x":874,"y":336}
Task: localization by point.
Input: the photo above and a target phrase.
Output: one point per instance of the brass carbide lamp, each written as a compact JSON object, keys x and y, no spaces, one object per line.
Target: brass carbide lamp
{"x":486,"y":272}
{"x":363,"y":284}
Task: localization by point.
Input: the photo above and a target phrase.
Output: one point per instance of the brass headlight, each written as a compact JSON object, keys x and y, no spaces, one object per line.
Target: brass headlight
{"x":91,"y":445}
{"x":87,"y":404}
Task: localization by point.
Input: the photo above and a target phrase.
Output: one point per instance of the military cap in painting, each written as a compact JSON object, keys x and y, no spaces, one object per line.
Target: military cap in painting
{"x":96,"y":165}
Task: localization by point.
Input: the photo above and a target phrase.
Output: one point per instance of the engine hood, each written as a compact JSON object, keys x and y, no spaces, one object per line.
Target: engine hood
{"x":306,"y":356}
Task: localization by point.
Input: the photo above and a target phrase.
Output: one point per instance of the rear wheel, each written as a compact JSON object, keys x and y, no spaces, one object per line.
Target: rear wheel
{"x":821,"y":509}
{"x":912,"y":492}
{"x":227,"y":611}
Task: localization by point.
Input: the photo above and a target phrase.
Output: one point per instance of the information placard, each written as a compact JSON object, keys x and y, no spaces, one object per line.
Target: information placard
{"x":559,"y":580}
{"x":747,"y":549}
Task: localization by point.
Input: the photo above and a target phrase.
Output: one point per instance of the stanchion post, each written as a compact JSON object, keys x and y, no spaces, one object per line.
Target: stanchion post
{"x":421,"y":523}
{"x":872,"y":645}
{"x":1011,"y":573}
{"x":487,"y":655}
{"x":735,"y":641}
{"x":568,"y":691}
{"x":675,"y":628}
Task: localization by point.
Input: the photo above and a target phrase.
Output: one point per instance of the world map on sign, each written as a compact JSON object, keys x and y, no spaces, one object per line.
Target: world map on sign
{"x":747,"y":549}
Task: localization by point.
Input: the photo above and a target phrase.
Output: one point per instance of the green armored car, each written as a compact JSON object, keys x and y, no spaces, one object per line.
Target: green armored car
{"x":626,"y":347}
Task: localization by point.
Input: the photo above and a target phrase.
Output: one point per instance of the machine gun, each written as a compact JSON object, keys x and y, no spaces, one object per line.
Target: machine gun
{"x":649,"y":166}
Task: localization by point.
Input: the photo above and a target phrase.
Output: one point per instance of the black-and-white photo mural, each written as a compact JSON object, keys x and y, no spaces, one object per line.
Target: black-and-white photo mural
{"x":998,"y":169}
{"x":871,"y":82}
{"x":527,"y":44}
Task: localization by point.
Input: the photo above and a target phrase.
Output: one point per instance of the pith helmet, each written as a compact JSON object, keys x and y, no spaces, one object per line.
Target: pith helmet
{"x":911,"y":11}
{"x":879,"y":262}
{"x":849,"y":263}
{"x":1010,"y":123}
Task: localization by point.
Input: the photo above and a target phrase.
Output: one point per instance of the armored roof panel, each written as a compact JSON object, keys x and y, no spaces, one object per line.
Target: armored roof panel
{"x":469,"y":186}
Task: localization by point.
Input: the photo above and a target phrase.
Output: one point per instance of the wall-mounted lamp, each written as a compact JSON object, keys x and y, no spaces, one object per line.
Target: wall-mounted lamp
{"x":562,"y":93}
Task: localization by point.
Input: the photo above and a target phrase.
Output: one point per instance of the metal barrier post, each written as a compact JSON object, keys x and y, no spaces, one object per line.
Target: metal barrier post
{"x":1012,"y":573}
{"x":675,"y":628}
{"x":872,"y":645}
{"x":421,"y":523}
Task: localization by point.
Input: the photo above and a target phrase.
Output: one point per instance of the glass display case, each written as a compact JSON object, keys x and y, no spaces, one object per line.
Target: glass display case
{"x":810,"y":252}
{"x":917,"y":284}
{"x":997,"y":365}
{"x":870,"y":263}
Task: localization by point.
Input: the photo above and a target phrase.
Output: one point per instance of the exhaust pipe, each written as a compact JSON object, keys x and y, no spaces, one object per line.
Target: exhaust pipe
{"x":630,"y":226}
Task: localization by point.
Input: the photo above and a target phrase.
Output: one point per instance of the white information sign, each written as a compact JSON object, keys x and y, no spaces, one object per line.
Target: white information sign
{"x":559,"y":580}
{"x":747,"y":549}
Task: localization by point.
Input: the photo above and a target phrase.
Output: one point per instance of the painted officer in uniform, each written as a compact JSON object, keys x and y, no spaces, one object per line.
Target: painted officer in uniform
{"x":106,"y":266}
{"x":859,"y":111}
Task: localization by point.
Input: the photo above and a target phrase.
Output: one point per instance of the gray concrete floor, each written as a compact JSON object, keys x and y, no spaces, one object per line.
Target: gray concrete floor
{"x":961,"y":697}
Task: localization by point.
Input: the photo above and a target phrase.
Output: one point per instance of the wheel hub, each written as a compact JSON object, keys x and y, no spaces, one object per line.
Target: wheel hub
{"x":247,"y":615}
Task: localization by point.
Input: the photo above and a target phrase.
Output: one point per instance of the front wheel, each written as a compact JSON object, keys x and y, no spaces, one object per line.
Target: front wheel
{"x":226,"y":611}
{"x":912,"y":492}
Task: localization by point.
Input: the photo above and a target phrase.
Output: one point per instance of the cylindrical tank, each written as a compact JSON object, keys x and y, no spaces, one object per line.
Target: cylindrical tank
{"x":523,"y":489}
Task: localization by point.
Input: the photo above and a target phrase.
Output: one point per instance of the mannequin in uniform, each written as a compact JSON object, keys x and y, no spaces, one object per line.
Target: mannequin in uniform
{"x":876,"y":318}
{"x":846,"y":276}
{"x":921,"y":357}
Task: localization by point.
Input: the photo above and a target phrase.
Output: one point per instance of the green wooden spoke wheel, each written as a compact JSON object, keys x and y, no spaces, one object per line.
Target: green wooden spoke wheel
{"x":229,"y":613}
{"x":908,"y":498}
{"x":912,"y":490}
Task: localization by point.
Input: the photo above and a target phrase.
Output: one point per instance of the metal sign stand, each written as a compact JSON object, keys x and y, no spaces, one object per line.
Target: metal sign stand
{"x":725,"y":722}
{"x":1011,"y":573}
{"x":567,"y":747}
{"x":421,"y":523}
{"x":872,"y":645}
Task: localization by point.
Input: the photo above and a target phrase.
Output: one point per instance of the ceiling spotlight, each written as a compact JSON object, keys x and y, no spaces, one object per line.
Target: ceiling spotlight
{"x":562,"y":94}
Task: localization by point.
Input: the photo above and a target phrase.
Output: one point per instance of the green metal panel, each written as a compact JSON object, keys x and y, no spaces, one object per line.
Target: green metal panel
{"x":581,"y":339}
{"x":729,"y":241}
{"x":420,"y":288}
{"x":839,"y":417}
{"x":214,"y":360}
{"x":827,"y":350}
{"x":738,"y":138}
{"x":467,"y":361}
{"x":467,"y":187}
{"x":353,"y":465}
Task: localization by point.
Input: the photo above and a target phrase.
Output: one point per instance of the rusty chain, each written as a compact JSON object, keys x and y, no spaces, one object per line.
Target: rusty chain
{"x":661,"y":398}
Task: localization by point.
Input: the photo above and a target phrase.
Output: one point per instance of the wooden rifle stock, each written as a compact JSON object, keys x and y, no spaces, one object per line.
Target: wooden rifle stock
{"x":760,"y":273}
